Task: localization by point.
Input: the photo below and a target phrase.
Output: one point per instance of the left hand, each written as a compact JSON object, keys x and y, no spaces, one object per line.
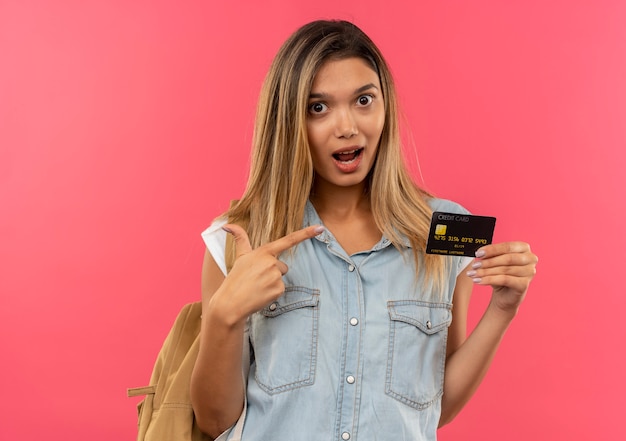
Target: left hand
{"x":508,"y":267}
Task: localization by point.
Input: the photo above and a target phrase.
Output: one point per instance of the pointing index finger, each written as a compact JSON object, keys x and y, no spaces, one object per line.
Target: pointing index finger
{"x":293,"y":239}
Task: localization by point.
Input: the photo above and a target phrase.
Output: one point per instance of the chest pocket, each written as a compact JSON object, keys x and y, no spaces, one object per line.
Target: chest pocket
{"x":418,"y":333}
{"x":284,"y":337}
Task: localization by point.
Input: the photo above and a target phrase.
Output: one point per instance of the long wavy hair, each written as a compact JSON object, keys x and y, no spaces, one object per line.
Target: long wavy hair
{"x":281,"y":173}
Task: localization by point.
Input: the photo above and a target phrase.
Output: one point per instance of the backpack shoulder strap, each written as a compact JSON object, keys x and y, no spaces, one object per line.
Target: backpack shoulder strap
{"x":230,"y":252}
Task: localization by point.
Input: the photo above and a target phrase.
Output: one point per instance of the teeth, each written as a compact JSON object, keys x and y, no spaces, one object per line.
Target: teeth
{"x":349,"y":152}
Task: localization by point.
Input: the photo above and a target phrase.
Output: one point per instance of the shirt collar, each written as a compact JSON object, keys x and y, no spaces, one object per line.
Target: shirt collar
{"x":312,"y":218}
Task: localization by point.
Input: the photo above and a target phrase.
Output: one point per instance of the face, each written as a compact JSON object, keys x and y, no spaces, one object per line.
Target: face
{"x":345,"y":119}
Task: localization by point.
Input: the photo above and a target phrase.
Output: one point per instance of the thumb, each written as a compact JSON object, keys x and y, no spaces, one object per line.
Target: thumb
{"x":242,"y":242}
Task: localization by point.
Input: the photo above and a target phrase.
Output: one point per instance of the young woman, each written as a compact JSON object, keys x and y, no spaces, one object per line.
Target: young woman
{"x":354,"y":332}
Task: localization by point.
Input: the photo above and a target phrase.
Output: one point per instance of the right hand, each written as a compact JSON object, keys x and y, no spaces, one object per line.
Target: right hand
{"x":256,"y":277}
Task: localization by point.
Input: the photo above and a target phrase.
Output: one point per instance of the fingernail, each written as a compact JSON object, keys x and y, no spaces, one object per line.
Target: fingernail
{"x":477,"y":280}
{"x":480,"y":253}
{"x":476,"y":265}
{"x":228,"y":230}
{"x":319,"y":229}
{"x":471,"y":273}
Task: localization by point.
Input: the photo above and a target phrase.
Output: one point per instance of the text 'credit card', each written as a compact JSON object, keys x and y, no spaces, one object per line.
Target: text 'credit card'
{"x":454,"y":234}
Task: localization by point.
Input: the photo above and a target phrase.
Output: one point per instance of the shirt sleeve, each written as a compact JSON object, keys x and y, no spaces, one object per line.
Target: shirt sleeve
{"x":215,"y":240}
{"x":463,"y":262}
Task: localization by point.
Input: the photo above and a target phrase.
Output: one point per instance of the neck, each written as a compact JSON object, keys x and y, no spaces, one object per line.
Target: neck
{"x":340,"y":202}
{"x":347,"y":213}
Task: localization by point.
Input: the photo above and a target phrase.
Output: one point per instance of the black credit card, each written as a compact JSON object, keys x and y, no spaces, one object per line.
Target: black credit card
{"x":454,"y":234}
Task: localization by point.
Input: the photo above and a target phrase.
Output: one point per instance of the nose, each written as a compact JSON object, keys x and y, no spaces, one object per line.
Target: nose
{"x":345,"y":124}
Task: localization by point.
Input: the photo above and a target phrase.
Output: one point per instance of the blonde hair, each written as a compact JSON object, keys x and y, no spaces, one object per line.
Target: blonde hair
{"x":281,"y":174}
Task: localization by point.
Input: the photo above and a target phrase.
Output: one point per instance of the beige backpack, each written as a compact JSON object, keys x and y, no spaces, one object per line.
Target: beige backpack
{"x":166,"y":414}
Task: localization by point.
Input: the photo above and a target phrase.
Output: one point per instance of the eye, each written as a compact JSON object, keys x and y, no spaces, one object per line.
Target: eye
{"x":365,"y":100}
{"x":317,"y":108}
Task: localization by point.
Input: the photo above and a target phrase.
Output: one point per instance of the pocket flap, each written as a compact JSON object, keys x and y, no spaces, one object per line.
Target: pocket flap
{"x":294,"y":297}
{"x":428,"y":317}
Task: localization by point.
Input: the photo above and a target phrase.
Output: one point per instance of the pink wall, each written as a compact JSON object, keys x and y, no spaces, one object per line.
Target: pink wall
{"x":125,"y":128}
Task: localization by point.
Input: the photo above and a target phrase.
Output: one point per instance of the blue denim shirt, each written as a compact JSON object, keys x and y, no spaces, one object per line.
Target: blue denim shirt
{"x":353,"y":350}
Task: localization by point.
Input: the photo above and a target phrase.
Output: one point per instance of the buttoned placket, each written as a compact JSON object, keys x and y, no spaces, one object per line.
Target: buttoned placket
{"x":349,"y":397}
{"x":351,"y":359}
{"x":353,"y":301}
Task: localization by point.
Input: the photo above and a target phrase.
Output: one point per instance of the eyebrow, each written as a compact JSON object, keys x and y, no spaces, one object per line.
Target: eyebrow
{"x":356,"y":92}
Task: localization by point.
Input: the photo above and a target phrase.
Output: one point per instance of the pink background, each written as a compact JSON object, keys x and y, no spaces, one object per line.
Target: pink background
{"x":125,"y":128}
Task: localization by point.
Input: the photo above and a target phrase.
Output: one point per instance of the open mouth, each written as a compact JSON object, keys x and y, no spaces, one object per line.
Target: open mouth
{"x":348,"y":156}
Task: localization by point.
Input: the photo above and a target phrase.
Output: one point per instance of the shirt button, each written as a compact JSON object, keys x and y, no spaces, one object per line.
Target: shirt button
{"x":354,"y":321}
{"x":350,"y":379}
{"x":429,"y":324}
{"x":351,"y":268}
{"x":345,"y":436}
{"x":273,"y":307}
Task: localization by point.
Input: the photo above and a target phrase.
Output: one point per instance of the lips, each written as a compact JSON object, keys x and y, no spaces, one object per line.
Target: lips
{"x":347,"y":155}
{"x":348,"y":160}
